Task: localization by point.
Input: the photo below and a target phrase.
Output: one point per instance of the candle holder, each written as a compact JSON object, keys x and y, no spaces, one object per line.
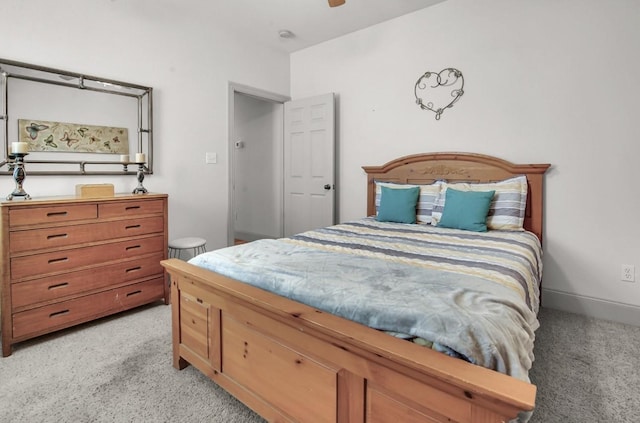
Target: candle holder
{"x":12,"y":162}
{"x":140,"y":175}
{"x":19,"y":176}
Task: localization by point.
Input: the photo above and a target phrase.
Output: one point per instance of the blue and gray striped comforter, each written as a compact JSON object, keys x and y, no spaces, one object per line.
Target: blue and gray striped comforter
{"x":470,"y":294}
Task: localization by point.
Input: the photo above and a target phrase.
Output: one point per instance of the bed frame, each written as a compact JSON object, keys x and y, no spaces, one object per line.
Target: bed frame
{"x":293,"y":363}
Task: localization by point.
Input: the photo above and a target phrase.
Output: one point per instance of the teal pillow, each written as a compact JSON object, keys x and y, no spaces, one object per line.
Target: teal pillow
{"x":466,"y":210}
{"x":398,"y":205}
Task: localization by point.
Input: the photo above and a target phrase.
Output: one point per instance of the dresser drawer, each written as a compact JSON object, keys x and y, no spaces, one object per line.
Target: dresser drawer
{"x":75,"y":258}
{"x":37,"y":291}
{"x":68,"y":313}
{"x":43,"y":215}
{"x":39,"y":239}
{"x":130,"y":208}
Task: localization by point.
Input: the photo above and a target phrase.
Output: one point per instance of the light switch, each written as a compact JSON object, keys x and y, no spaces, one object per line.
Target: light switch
{"x":211,"y":158}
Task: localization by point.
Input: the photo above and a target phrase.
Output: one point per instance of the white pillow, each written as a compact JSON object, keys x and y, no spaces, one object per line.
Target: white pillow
{"x":507,"y":207}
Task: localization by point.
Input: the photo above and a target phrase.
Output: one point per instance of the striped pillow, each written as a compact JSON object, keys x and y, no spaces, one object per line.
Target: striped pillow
{"x":426,"y":200}
{"x":507,"y":208}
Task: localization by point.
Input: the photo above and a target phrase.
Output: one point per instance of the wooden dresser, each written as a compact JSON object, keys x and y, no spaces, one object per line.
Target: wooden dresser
{"x":70,"y":260}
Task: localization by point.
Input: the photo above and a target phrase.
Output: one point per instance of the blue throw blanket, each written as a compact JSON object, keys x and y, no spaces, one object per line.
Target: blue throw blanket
{"x":472,"y":294}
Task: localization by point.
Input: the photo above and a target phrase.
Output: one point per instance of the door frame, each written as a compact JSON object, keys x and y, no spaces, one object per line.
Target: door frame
{"x":261,"y":95}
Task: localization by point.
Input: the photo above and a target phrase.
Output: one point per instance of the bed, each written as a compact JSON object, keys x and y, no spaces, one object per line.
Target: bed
{"x":292,"y":362}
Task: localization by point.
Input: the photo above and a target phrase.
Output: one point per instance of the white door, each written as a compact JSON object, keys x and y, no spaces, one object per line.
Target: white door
{"x":309,"y":164}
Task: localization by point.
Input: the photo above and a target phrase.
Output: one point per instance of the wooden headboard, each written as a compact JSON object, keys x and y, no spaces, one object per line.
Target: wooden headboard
{"x":461,"y":167}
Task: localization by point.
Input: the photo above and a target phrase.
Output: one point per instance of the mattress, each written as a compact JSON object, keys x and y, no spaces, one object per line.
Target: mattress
{"x":471,"y":295}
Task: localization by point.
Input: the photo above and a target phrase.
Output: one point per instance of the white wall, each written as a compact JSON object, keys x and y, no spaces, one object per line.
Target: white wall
{"x":545,"y":82}
{"x":187,"y":62}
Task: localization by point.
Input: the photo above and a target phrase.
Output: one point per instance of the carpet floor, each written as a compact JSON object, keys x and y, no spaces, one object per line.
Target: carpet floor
{"x":118,"y":369}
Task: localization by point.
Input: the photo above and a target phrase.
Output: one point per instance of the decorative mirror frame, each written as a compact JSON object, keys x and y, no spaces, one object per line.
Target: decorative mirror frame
{"x":45,"y":75}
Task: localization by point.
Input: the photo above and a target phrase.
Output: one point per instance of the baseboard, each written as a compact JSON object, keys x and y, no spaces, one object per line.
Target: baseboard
{"x":592,"y":307}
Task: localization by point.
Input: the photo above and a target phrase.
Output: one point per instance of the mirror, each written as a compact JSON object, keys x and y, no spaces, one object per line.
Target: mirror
{"x":73,"y":124}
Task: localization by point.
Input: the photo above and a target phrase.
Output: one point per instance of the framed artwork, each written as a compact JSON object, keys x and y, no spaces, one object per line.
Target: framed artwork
{"x":73,"y":137}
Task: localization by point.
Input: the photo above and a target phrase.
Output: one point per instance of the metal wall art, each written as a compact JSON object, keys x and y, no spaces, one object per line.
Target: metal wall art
{"x":437,"y":91}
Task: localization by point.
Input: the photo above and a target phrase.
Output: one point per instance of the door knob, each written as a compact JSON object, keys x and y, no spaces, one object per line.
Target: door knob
{"x":327,"y":187}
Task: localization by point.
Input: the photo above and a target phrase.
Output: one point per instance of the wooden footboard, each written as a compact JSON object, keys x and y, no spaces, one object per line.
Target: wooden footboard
{"x":293,"y":363}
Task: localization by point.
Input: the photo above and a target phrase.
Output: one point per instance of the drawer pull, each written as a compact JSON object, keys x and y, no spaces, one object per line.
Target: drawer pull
{"x":52,"y":214}
{"x":56,"y":236}
{"x":133,"y":247}
{"x":131,"y":207}
{"x":133,"y":226}
{"x":134,"y":293}
{"x":133,"y":269}
{"x":199,"y":300}
{"x":59,"y":313}
{"x":58,"y":260}
{"x":58,"y":285}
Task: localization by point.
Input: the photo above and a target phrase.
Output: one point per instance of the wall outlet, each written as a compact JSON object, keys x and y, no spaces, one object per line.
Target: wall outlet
{"x":628,"y":273}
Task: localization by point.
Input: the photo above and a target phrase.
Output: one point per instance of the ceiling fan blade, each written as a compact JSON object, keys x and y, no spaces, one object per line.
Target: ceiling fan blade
{"x":334,"y":3}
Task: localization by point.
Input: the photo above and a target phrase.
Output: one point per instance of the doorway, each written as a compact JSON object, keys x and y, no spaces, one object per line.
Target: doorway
{"x":255,"y":164}
{"x":281,"y":164}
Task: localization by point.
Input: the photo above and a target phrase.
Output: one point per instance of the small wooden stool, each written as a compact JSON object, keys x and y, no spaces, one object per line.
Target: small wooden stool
{"x":198,"y":245}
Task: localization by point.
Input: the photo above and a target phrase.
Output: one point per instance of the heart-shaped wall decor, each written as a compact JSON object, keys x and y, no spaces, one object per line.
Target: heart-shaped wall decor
{"x":437,"y":91}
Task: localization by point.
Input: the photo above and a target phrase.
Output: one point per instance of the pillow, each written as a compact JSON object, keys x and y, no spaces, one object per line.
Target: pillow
{"x":426,"y":200}
{"x":507,"y":208}
{"x":466,"y":210}
{"x":398,"y":205}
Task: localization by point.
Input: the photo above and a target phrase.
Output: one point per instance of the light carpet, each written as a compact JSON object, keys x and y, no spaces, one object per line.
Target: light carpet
{"x":118,"y":369}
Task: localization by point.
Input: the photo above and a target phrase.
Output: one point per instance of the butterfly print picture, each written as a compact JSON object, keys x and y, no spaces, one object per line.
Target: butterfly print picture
{"x":68,"y":140}
{"x":33,"y":130}
{"x":49,"y":142}
{"x":73,"y":137}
